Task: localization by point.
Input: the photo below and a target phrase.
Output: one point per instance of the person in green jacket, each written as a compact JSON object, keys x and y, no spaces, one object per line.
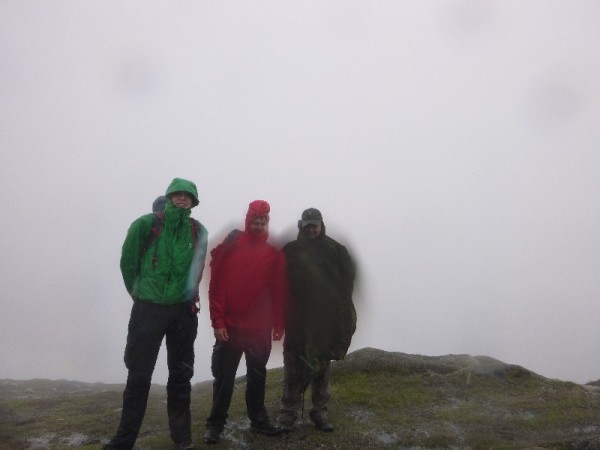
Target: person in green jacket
{"x":320,"y":318}
{"x":162,"y":261}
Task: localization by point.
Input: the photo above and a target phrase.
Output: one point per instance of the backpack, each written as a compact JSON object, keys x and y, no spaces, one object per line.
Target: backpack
{"x":158,"y":219}
{"x":220,"y":251}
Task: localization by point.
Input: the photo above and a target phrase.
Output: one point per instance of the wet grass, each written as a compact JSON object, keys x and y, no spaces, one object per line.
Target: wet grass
{"x":379,"y":400}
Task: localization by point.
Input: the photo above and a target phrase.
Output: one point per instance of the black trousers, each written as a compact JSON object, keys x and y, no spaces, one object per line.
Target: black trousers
{"x":148,"y":324}
{"x":256,"y":347}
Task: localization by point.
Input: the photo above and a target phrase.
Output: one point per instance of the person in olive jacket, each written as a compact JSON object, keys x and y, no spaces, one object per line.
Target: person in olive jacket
{"x":162,"y":261}
{"x":320,"y":318}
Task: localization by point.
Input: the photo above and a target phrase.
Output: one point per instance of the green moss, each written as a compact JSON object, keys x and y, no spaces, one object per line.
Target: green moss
{"x":374,"y":405}
{"x":381,"y":390}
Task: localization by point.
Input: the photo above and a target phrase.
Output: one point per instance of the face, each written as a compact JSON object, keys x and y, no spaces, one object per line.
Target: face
{"x":258,"y":225}
{"x":312,"y":231}
{"x":182,"y":199}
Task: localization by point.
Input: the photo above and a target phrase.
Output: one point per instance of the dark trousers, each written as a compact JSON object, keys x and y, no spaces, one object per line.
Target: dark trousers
{"x":295,"y":384}
{"x":148,"y":324}
{"x":256,"y":347}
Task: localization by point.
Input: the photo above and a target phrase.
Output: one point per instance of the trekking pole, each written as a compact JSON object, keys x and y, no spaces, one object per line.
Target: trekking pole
{"x":304,"y":386}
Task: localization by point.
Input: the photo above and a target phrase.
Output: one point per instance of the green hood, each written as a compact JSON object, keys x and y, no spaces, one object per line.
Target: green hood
{"x":179,"y":184}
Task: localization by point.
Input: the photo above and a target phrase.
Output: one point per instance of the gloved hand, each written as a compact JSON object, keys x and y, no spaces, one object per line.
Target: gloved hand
{"x":195,"y":306}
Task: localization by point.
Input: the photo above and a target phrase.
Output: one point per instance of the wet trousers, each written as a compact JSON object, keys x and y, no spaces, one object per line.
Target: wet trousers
{"x":148,"y":324}
{"x":295,"y":383}
{"x":255,"y":345}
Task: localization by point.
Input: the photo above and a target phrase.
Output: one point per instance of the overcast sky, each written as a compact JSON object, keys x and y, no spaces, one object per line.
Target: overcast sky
{"x":454,"y":146}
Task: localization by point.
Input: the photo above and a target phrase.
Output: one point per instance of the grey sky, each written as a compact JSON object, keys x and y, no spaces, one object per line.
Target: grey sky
{"x":453,"y":145}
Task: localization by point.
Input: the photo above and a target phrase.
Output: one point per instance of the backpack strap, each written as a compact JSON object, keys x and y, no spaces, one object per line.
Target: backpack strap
{"x":195,"y":228}
{"x":158,"y":223}
{"x":158,"y":220}
{"x":220,"y":251}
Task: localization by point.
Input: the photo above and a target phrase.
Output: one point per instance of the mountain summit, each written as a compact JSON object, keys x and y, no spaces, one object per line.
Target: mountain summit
{"x":379,"y":400}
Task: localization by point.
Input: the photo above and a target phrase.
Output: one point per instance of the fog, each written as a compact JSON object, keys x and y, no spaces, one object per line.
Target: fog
{"x":453,"y":146}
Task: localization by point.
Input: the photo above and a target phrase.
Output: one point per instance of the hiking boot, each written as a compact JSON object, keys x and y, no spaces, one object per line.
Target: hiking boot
{"x":188,"y":446}
{"x":212,"y":436}
{"x":286,"y":421}
{"x":320,"y":421}
{"x":265,"y":428}
{"x":323,"y":425}
{"x":286,"y":425}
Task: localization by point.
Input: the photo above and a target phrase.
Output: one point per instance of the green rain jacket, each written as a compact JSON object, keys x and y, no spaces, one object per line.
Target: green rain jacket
{"x":170,"y":269}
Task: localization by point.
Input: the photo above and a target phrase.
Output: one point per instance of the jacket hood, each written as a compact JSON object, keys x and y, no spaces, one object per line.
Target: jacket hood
{"x":179,"y":184}
{"x":258,"y":208}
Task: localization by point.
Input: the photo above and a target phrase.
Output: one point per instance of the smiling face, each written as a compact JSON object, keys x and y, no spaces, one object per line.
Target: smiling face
{"x":182,"y":199}
{"x":258,"y":225}
{"x":312,"y":231}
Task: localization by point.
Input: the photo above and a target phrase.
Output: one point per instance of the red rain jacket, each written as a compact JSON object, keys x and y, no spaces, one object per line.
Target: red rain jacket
{"x":247,"y":283}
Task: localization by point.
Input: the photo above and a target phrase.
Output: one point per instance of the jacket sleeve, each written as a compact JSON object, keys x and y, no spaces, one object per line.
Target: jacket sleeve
{"x":215,"y":298}
{"x":279,"y":290}
{"x":198,"y":262}
{"x":131,"y":250}
{"x":348,"y":270}
{"x":348,"y":311}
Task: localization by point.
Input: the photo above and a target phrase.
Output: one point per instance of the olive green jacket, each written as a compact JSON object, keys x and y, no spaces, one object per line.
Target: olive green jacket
{"x":320,"y":314}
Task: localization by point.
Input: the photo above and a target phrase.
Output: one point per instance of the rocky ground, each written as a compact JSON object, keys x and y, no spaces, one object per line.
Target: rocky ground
{"x":380,"y":400}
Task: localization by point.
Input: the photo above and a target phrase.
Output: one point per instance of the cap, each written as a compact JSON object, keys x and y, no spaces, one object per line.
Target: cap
{"x":311,"y":216}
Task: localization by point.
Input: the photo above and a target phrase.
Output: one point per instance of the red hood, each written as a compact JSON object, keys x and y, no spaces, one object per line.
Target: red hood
{"x":258,"y":208}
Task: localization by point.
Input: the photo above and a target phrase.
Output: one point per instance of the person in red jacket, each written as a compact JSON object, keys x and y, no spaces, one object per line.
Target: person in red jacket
{"x":246,"y":297}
